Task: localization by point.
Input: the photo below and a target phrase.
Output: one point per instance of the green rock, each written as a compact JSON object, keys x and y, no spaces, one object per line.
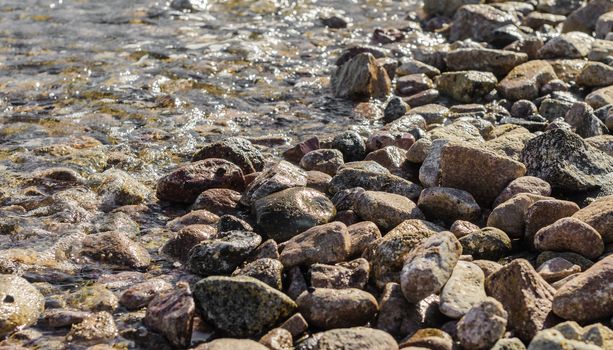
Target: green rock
{"x":21,"y":303}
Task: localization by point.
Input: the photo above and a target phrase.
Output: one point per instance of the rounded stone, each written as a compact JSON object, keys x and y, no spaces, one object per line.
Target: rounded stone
{"x":482,"y":325}
{"x":448,"y":204}
{"x":356,"y":338}
{"x":570,"y":234}
{"x":489,"y":243}
{"x":351,"y":145}
{"x":325,"y":160}
{"x":464,"y":290}
{"x":337,"y":308}
{"x":21,"y":304}
{"x":387,"y":210}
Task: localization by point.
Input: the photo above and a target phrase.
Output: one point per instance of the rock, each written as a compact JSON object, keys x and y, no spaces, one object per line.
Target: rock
{"x":510,"y":215}
{"x":600,"y":98}
{"x":335,"y":22}
{"x":179,"y":245}
{"x":429,"y":266}
{"x":570,"y":164}
{"x":278,"y":339}
{"x":499,"y":62}
{"x":599,"y":215}
{"x":22,"y":304}
{"x":559,"y":7}
{"x":296,"y":325}
{"x":428,"y":338}
{"x":388,"y":254}
{"x":588,"y":296}
{"x":284,"y":214}
{"x":603,"y":142}
{"x":223,"y":253}
{"x":318,"y":181}
{"x":553,"y":109}
{"x":595,"y":74}
{"x":117,"y":188}
{"x":570,"y":234}
{"x":553,"y":339}
{"x":187,"y":182}
{"x":241,"y":306}
{"x":236,"y":150}
{"x":448,"y":204}
{"x":604,"y":25}
{"x":524,"y":184}
{"x":394,"y":109}
{"x":584,"y":18}
{"x":188,"y":5}
{"x":95,"y":328}
{"x":583,"y":121}
{"x":411,"y":66}
{"x":476,"y":22}
{"x":462,"y":228}
{"x":574,"y":258}
{"x":355,"y":338}
{"x":117,"y":249}
{"x":423,"y":98}
{"x":351,"y":274}
{"x":219,"y":201}
{"x":276,"y":178}
{"x":172,"y":314}
{"x":58,"y":318}
{"x":489,"y":243}
{"x":229,"y":343}
{"x":545,"y":212}
{"x":524,"y":82}
{"x":524,"y":295}
{"x":568,"y":45}
{"x":141,"y":294}
{"x":430,"y":170}
{"x":601,"y":51}
{"x":509,"y":344}
{"x":464,"y":290}
{"x":361,"y":235}
{"x":361,"y":78}
{"x":296,"y":153}
{"x":458,"y":166}
{"x":391,"y":157}
{"x":325,"y":160}
{"x":269,"y":271}
{"x":196,"y":217}
{"x":351,"y":145}
{"x":556,"y":269}
{"x":337,"y":308}
{"x":411,"y":84}
{"x":536,"y":20}
{"x":482,"y":325}
{"x":93,"y":298}
{"x":370,"y":180}
{"x":446,"y":8}
{"x":329,"y":243}
{"x":466,"y":86}
{"x":387,"y":210}
{"x":487,"y":266}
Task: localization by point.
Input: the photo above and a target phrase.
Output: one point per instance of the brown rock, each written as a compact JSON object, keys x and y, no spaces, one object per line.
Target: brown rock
{"x":584,"y":18}
{"x":180,"y":244}
{"x":218,"y":201}
{"x":545,"y":212}
{"x":599,"y":215}
{"x":142,"y":293}
{"x":462,"y":228}
{"x":337,"y":308}
{"x":570,"y":234}
{"x":229,"y":343}
{"x":361,"y":78}
{"x":510,"y":215}
{"x":351,"y":274}
{"x":361,"y":235}
{"x":525,"y":81}
{"x":172,"y":314}
{"x":296,"y":325}
{"x":524,"y":184}
{"x":556,"y":269}
{"x":428,"y":338}
{"x":117,"y":249}
{"x":387,"y":210}
{"x":329,"y":243}
{"x":278,"y":339}
{"x":448,"y":204}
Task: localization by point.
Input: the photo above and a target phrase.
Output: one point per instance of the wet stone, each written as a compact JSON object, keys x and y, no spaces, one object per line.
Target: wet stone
{"x":179,"y":245}
{"x":466,"y":86}
{"x":21,"y":306}
{"x":172,"y":315}
{"x":411,"y":66}
{"x":277,"y":177}
{"x":236,"y":150}
{"x":351,"y":274}
{"x":361,"y":78}
{"x":556,"y":269}
{"x":337,"y":308}
{"x":95,"y":328}
{"x":269,"y":271}
{"x":117,"y":249}
{"x":58,"y":318}
{"x":141,"y":294}
{"x":195,"y":217}
{"x":408,"y":85}
{"x":499,"y":62}
{"x":325,"y":160}
{"x":464,"y":290}
{"x":370,"y":180}
{"x":448,"y":204}
{"x":477,"y":22}
{"x":219,"y":201}
{"x":229,"y":343}
{"x":93,"y":298}
{"x":223,"y":253}
{"x":329,"y":243}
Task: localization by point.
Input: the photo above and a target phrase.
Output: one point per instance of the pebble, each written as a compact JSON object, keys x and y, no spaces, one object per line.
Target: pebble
{"x":545,"y":212}
{"x":141,"y":294}
{"x":22,"y":304}
{"x":488,"y":243}
{"x":337,"y":308}
{"x":410,"y":66}
{"x":482,"y":325}
{"x":525,"y":81}
{"x":448,"y":205}
{"x":361,"y":78}
{"x":329,"y":243}
{"x":93,"y":298}
{"x":466,"y":86}
{"x":172,"y":314}
{"x":599,"y":215}
{"x":556,"y":269}
{"x":595,"y":74}
{"x":350,"y":274}
{"x":499,"y":62}
{"x":274,"y":178}
{"x":219,"y":201}
{"x":464,"y":290}
{"x":570,"y":234}
{"x":325,"y":160}
{"x":386,"y":210}
{"x":58,"y":318}
{"x":97,"y":327}
{"x":240,"y":306}
{"x":428,"y":267}
{"x":195,"y":217}
{"x":462,"y":228}
{"x":237,"y":150}
{"x":117,"y":249}
{"x":354,"y":338}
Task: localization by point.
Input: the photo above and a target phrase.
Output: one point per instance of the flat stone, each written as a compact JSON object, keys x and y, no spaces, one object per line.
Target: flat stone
{"x":194,"y":217}
{"x":355,"y":338}
{"x":369,"y":180}
{"x":482,"y":325}
{"x":275,"y":178}
{"x":95,"y":328}
{"x":536,"y":20}
{"x":329,"y":243}
{"x":601,"y":51}
{"x":387,"y":210}
{"x":466,"y":86}
{"x":411,"y":66}
{"x":476,"y":22}
{"x":172,"y":314}
{"x":524,"y":82}
{"x":408,"y":85}
{"x":570,"y":234}
{"x":58,"y":318}
{"x":568,"y":45}
{"x":464,"y":290}
{"x":117,"y":249}
{"x":337,"y":308}
{"x":584,"y":18}
{"x":269,"y":271}
{"x":499,"y":62}
{"x":448,"y":204}
{"x":556,"y":269}
{"x":22,"y":304}
{"x":139,"y":295}
{"x":361,"y":78}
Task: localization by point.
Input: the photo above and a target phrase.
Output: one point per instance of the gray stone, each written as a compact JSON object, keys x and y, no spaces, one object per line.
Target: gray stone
{"x":361,"y":78}
{"x":223,"y":253}
{"x":466,"y":86}
{"x":329,"y":243}
{"x":568,"y":45}
{"x":387,"y":210}
{"x":489,"y":243}
{"x":237,"y":150}
{"x":172,"y":314}
{"x":325,"y":160}
{"x":477,"y":22}
{"x":275,"y":178}
{"x":499,"y":62}
{"x":351,"y":274}
{"x":269,"y":271}
{"x":117,"y":249}
{"x":22,"y":304}
{"x":355,"y":338}
{"x":482,"y":325}
{"x":448,"y":204}
{"x":464,"y":290}
{"x":373,"y":181}
{"x":351,"y":145}
{"x":337,"y":308}
{"x":584,"y":18}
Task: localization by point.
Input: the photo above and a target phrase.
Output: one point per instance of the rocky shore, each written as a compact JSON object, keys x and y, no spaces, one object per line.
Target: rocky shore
{"x":477,"y":214}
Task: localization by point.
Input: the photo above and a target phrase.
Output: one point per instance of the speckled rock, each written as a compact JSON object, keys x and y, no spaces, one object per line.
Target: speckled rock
{"x":464,"y":290}
{"x":390,"y":157}
{"x":524,"y":184}
{"x":480,"y":172}
{"x":325,"y":160}
{"x":466,"y":86}
{"x":284,"y":214}
{"x":142,"y":293}
{"x":595,"y":74}
{"x":194,"y":217}
{"x":278,"y":339}
{"x":510,"y":215}
{"x":477,"y":22}
{"x":269,"y":271}
{"x":524,"y":294}
{"x":448,"y":204}
{"x":509,"y":344}
{"x":172,"y":314}
{"x":461,"y":228}
{"x":229,"y":343}
{"x":482,"y":325}
{"x":428,"y":338}
{"x":428,"y":267}
{"x":556,"y":269}
{"x":95,"y":328}
{"x":430,"y":170}
{"x":329,"y":243}
{"x":275,"y":178}
{"x":241,"y":306}
{"x":570,"y":234}
{"x":568,"y":45}
{"x":223,"y":253}
{"x":371,"y":180}
{"x":179,"y":245}
{"x":599,"y":215}
{"x":219,"y":201}
{"x":236,"y":150}
{"x":22,"y":304}
{"x":117,"y":249}
{"x":187,"y":182}
{"x":387,"y":210}
{"x":489,"y":243}
{"x":525,"y":81}
{"x":355,"y":338}
{"x":58,"y":318}
{"x":337,"y":308}
{"x":93,"y":298}
{"x":554,"y":339}
{"x":350,"y":274}
{"x":447,"y":7}
{"x":361,"y":235}
{"x":587,"y":297}
{"x":499,"y":62}
{"x":117,"y":188}
{"x":584,"y":18}
{"x":545,"y":212}
{"x":361,"y":78}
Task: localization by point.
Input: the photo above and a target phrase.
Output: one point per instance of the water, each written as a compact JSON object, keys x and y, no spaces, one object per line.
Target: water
{"x":137,"y":85}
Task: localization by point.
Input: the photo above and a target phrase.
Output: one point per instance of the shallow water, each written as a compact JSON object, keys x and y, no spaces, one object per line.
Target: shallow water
{"x":91,"y":84}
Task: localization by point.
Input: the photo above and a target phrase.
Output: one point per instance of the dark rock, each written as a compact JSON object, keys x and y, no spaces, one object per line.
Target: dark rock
{"x":236,"y":150}
{"x":172,"y":314}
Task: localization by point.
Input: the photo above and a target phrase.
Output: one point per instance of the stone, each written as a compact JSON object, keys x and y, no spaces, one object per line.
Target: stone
{"x":275,"y":178}
{"x":95,"y":328}
{"x":510,"y":215}
{"x":179,"y":245}
{"x":559,"y":7}
{"x":480,"y":172}
{"x":583,"y":121}
{"x":595,"y":74}
{"x":360,"y":78}
{"x":601,"y":51}
{"x":428,"y":338}
{"x":545,"y":212}
{"x":447,"y":7}
{"x":568,"y":45}
{"x":350,"y":274}
{"x":388,"y":254}
{"x":525,"y":295}
{"x":487,"y":266}
{"x":337,"y":308}
{"x":430,"y":170}
{"x":599,"y":215}
{"x":222,"y":253}
{"x":524,"y":82}
{"x":59,"y":318}
{"x":296,"y":325}
{"x":219,"y":201}
{"x":387,"y":210}
{"x":395,"y":109}
{"x":185,"y":183}
{"x":574,"y":258}
{"x":600,"y":98}
{"x":509,"y":344}
{"x":139,"y":295}
{"x":370,"y":180}
{"x":335,"y":21}
{"x":117,"y":249}
{"x":241,"y":306}
{"x":296,"y":153}
{"x":556,"y":269}
{"x":448,"y":204}
{"x":296,"y":282}
{"x":195,"y":217}
{"x":93,"y":298}
{"x":284,"y":214}
{"x":570,"y":234}
{"x":229,"y":343}
{"x":602,"y":142}
{"x":237,"y":150}
{"x":536,"y":20}
{"x":476,"y":22}
{"x":423,"y":98}
{"x":604,"y":25}
{"x":117,"y":188}
{"x":318,"y":181}
{"x":570,"y":164}
{"x":428,"y":267}
{"x":553,"y":109}
{"x":488,"y":243}
{"x":466,"y":86}
{"x":584,"y":18}
{"x":22,"y":304}
{"x":355,"y":338}
{"x":390,"y":157}
{"x":464,"y":290}
{"x":329,"y":243}
{"x":499,"y":62}
{"x":269,"y":271}
{"x":411,"y":84}
{"x":351,"y":145}
{"x":325,"y":160}
{"x":462,"y":228}
{"x":278,"y":339}
{"x":361,"y":235}
{"x":482,"y":325}
{"x":172,"y":314}
{"x":524,"y":184}
{"x":588,"y":296}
